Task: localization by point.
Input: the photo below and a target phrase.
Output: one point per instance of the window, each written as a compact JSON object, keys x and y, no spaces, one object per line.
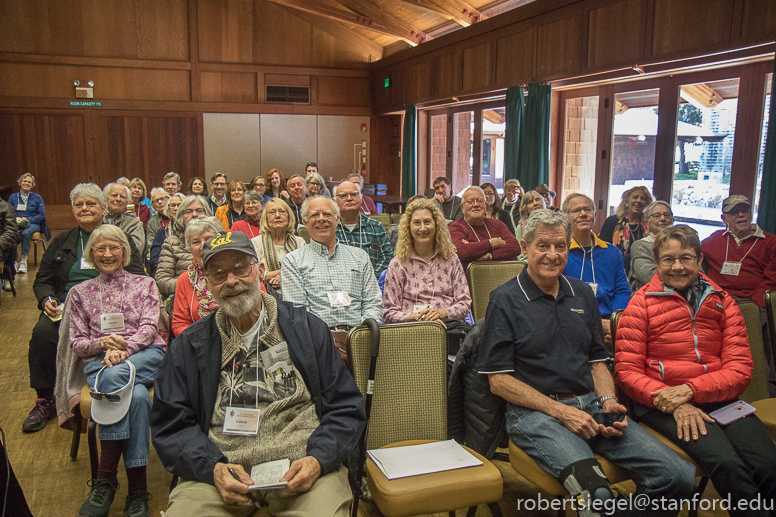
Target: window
{"x":764,"y":134}
{"x":438,"y":146}
{"x":579,"y":145}
{"x":463,"y":150}
{"x":493,"y":128}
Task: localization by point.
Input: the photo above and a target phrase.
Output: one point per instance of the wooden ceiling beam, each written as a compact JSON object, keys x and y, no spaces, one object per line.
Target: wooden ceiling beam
{"x":619,"y":107}
{"x":701,"y":96}
{"x":462,"y":12}
{"x":493,"y":116}
{"x":391,"y":22}
{"x":333,"y":27}
{"x":430,"y":6}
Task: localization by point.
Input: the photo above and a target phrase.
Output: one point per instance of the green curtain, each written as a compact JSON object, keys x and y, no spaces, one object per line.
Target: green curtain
{"x":766,"y":212}
{"x":534,"y":157}
{"x":512,"y":134}
{"x":409,"y":152}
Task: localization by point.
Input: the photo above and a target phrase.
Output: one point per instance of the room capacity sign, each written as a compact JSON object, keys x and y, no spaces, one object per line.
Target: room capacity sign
{"x":86,"y":104}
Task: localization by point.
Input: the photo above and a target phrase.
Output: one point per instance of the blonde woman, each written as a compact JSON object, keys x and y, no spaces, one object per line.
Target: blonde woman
{"x":530,"y":201}
{"x":425,"y":280}
{"x":628,"y":225}
{"x":276,"y":240}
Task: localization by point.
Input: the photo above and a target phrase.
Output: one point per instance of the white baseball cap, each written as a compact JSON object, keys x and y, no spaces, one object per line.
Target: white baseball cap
{"x":109,"y":408}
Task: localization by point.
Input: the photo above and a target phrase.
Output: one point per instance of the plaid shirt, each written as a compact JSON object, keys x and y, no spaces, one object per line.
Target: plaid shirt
{"x":369,"y":235}
{"x":307,"y":274}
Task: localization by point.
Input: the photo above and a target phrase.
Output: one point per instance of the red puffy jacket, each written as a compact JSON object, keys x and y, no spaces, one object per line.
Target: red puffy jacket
{"x":660,"y":344}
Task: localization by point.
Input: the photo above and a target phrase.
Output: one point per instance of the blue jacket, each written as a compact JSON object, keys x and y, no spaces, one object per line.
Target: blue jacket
{"x":613,"y":291}
{"x":186,"y":388}
{"x":35,"y":213}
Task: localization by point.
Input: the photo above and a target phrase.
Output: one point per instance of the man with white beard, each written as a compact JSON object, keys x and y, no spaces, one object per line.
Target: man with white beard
{"x":257,"y":381}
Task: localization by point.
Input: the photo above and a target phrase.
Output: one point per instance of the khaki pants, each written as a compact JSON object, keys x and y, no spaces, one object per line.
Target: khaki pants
{"x":330,"y":496}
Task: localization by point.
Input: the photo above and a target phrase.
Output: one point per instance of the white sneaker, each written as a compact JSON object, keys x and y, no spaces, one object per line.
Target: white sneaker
{"x":21,"y":267}
{"x":6,"y":285}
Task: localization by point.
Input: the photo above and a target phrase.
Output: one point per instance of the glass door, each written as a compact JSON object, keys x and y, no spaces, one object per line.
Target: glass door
{"x":763,"y":135}
{"x":493,"y":128}
{"x":463,"y":150}
{"x":705,"y":135}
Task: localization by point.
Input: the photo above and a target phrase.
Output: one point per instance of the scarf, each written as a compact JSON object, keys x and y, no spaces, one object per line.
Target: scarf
{"x":206,"y":303}
{"x":270,"y":258}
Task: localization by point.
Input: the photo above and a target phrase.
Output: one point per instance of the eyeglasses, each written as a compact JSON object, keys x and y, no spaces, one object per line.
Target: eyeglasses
{"x":90,"y":205}
{"x":685,"y":260}
{"x":582,"y":209}
{"x":100,"y":250}
{"x":110,"y":397}
{"x":239,"y":270}
{"x":318,"y":215}
{"x":348,"y":195}
{"x":309,"y":183}
{"x":667,"y":215}
{"x":198,"y":211}
{"x":489,"y":194}
{"x":474,"y":202}
{"x":736,"y":211}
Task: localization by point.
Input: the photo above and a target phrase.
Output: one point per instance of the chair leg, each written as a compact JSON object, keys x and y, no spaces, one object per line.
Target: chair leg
{"x":35,"y":253}
{"x":94,"y":455}
{"x":693,"y":512}
{"x":472,"y":511}
{"x":77,"y":419}
{"x":451,"y":513}
{"x":495,"y":509}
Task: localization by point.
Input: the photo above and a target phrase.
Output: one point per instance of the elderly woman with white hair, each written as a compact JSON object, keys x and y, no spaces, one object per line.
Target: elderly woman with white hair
{"x":316,"y":186}
{"x":193,"y":299}
{"x":114,"y":329}
{"x":30,"y":215}
{"x":63,"y":266}
{"x":117,"y":197}
{"x":175,"y":259}
{"x":643,"y":266}
{"x":276,"y":240}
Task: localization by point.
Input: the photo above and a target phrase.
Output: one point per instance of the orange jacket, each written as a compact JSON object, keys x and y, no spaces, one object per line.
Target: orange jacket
{"x":660,"y":344}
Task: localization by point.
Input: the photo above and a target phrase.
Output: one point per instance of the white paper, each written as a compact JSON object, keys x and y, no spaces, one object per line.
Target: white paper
{"x":427,"y":458}
{"x":267,"y":475}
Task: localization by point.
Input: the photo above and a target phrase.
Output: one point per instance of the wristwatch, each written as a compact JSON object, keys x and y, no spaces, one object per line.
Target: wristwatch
{"x":604,"y":398}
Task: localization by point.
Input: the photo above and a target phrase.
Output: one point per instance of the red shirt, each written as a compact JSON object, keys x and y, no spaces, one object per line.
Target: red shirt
{"x":478,"y":240}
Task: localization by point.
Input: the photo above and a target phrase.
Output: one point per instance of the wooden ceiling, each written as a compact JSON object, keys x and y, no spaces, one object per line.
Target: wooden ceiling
{"x":396,"y":24}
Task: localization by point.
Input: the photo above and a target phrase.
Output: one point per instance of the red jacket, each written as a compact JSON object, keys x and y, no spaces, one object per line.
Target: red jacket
{"x":659,"y":345}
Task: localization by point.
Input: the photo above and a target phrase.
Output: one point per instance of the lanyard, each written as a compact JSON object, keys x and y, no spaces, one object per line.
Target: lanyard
{"x":258,"y":361}
{"x":123,"y":289}
{"x":592,"y":265}
{"x":475,"y":233}
{"x":727,"y":246}
{"x":360,"y":234}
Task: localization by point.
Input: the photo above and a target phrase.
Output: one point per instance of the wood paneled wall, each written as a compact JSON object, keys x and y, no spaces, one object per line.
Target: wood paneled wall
{"x":562,"y":39}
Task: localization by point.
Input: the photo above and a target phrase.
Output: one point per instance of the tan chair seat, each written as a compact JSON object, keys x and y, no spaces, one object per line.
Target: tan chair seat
{"x":675,"y":449}
{"x":527,"y":467}
{"x":766,"y":411}
{"x":432,"y":493}
{"x":86,"y":401}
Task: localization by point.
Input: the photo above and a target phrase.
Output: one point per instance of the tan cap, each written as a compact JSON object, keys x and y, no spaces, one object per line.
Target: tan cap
{"x":732,"y":201}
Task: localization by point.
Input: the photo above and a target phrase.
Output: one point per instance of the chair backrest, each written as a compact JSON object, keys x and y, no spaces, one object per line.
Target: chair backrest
{"x":758,"y":387}
{"x":395,"y":218}
{"x":429,"y":193}
{"x":614,"y":321}
{"x":410,"y":386}
{"x":384,"y":219}
{"x":303,"y":233}
{"x":770,"y":316}
{"x":484,"y":276}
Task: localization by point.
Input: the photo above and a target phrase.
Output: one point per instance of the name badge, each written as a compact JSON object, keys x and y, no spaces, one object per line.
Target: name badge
{"x":594,"y":287}
{"x":112,"y":322}
{"x":242,"y":421}
{"x":21,"y":207}
{"x":85,"y":264}
{"x":338,"y":298}
{"x":418,"y":307}
{"x":731,"y":268}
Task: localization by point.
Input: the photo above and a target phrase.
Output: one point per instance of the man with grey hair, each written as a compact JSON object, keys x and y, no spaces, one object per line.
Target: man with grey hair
{"x":642,"y":264}
{"x":297,"y":193}
{"x":477,"y":237}
{"x":355,"y":229}
{"x":332,"y":280}
{"x":592,"y":260}
{"x":258,"y":381}
{"x":513,"y":193}
{"x":117,"y":198}
{"x":171,"y":183}
{"x":367,"y":205}
{"x":543,"y":351}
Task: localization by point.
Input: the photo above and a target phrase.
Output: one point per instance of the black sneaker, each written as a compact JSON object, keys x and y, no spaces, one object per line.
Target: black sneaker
{"x":39,"y":416}
{"x":100,"y":498}
{"x":137,"y":504}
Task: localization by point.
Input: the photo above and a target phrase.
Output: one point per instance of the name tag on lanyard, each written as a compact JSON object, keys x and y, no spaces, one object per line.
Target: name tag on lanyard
{"x":111,"y":322}
{"x":730,"y":268}
{"x":21,"y":207}
{"x":241,"y":421}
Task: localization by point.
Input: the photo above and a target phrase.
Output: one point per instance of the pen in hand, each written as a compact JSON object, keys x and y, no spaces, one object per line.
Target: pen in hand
{"x":234,"y":474}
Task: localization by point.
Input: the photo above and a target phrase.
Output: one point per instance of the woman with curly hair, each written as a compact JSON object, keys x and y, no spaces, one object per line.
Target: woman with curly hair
{"x":425,"y":280}
{"x":628,"y":225}
{"x":276,"y":184}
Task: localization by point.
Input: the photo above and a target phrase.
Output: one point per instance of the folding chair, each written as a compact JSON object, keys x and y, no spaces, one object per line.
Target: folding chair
{"x":406,"y":404}
{"x":303,"y":233}
{"x":484,"y":276}
{"x":384,"y":219}
{"x":36,"y":238}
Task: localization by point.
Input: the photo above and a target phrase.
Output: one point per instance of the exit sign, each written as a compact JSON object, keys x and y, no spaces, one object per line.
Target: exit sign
{"x":387,"y":82}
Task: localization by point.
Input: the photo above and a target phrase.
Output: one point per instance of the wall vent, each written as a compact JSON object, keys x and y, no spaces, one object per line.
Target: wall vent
{"x":288,"y":94}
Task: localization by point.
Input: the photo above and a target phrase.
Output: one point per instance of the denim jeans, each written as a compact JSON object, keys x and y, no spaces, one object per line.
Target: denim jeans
{"x":27,"y":238}
{"x":135,"y":426}
{"x":656,"y":470}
